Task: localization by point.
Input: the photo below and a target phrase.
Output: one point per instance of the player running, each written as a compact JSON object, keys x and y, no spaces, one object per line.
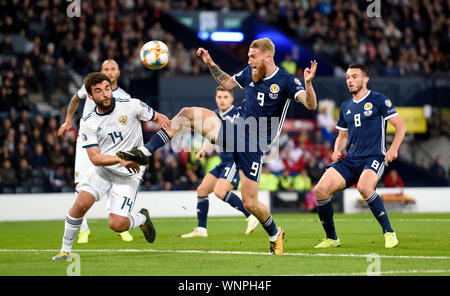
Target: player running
{"x":268,"y":93}
{"x":114,"y":124}
{"x":83,"y":164}
{"x":223,"y":178}
{"x":362,"y":129}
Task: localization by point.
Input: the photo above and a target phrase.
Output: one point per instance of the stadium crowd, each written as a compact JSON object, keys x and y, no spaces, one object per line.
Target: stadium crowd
{"x":411,"y":37}
{"x":34,"y":159}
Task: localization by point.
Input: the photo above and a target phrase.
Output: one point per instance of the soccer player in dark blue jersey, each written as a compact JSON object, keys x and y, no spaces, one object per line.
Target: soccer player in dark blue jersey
{"x":362,"y":128}
{"x":268,"y":93}
{"x":223,"y":178}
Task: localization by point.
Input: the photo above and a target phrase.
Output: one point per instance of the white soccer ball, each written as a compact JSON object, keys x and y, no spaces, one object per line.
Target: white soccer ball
{"x":155,"y":54}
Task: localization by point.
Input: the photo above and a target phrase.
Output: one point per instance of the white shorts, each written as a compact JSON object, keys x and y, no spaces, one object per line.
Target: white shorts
{"x":120,"y":192}
{"x":83,"y":164}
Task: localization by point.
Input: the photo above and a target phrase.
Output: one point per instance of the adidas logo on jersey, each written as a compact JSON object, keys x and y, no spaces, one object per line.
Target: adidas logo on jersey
{"x":251,"y":84}
{"x":348,"y":112}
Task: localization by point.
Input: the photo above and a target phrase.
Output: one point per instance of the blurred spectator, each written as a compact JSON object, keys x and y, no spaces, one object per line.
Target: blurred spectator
{"x":24,"y":173}
{"x":286,"y":180}
{"x":38,"y":159}
{"x":268,"y":181}
{"x":8,"y":177}
{"x":58,"y":179}
{"x":325,"y":121}
{"x":393,"y":179}
{"x":302,"y":181}
{"x":438,"y":169}
{"x":289,"y":65}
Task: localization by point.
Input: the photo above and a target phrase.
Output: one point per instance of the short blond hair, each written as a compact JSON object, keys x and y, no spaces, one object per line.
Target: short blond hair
{"x":264,"y":44}
{"x":221,"y":88}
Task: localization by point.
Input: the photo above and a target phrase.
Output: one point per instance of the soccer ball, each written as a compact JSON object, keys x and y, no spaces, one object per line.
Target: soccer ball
{"x":155,"y":54}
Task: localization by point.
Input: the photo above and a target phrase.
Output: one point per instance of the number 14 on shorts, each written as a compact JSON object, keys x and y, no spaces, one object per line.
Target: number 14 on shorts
{"x":127,"y":202}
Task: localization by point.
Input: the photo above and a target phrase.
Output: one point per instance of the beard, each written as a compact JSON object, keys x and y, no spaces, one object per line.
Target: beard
{"x":259,"y":72}
{"x":105,"y":106}
{"x":355,"y":89}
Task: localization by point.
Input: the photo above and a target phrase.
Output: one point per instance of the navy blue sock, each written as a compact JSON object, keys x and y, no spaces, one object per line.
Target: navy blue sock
{"x":326,"y":212}
{"x":377,"y":207}
{"x":270,"y":227}
{"x":236,"y":202}
{"x":202,"y":211}
{"x":158,"y":140}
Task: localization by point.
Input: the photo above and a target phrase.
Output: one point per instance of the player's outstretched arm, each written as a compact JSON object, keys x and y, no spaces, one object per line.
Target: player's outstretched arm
{"x":308,"y":98}
{"x":71,"y":109}
{"x":400,"y":131}
{"x":162,"y":120}
{"x":220,"y":76}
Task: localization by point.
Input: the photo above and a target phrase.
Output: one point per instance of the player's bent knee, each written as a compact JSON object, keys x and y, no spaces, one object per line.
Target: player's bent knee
{"x":250,"y":205}
{"x":365,"y":190}
{"x":202,"y":191}
{"x":220,"y":193}
{"x":119,"y":224}
{"x":320,"y":192}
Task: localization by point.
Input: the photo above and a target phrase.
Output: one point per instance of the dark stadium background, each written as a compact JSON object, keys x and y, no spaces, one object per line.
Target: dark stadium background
{"x":44,"y":55}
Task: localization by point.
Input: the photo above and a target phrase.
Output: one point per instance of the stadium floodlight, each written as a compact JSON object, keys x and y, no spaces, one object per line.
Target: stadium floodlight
{"x":203,"y":35}
{"x":224,"y":36}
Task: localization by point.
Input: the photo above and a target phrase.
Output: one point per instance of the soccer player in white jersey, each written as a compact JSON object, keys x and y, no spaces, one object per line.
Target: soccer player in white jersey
{"x":82,"y":162}
{"x":112,"y":125}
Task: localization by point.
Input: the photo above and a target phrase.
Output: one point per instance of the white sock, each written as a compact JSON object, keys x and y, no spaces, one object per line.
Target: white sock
{"x":71,"y":228}
{"x":84,"y":225}
{"x":136,"y":220}
{"x":274,"y":237}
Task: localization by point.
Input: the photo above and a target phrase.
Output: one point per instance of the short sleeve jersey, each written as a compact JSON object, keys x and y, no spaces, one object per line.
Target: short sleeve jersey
{"x":118,"y":130}
{"x":366,"y":120}
{"x":268,"y":98}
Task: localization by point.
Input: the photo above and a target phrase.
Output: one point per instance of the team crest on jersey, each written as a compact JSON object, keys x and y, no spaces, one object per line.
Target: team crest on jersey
{"x":123,"y":120}
{"x":388,"y":103}
{"x":368,"y":106}
{"x":274,"y":88}
{"x":84,"y":137}
{"x":368,"y":109}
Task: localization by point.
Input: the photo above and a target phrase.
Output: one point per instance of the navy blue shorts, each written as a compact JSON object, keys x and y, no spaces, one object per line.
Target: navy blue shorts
{"x":352,"y":168}
{"x":246,"y":149}
{"x":227,"y":170}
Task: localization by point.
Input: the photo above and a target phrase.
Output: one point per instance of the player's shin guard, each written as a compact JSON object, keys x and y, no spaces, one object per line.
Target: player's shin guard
{"x":71,"y":228}
{"x":236,"y":203}
{"x":202,"y":211}
{"x":377,"y":207}
{"x":326,"y":212}
{"x":158,"y":140}
{"x":136,"y":219}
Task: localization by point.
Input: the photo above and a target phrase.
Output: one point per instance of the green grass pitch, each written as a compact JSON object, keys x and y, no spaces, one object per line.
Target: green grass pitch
{"x":26,"y":248}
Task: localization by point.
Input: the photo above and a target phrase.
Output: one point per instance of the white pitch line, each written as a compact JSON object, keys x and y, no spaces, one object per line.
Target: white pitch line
{"x":381,"y":273}
{"x":308,"y":220}
{"x":229,"y":253}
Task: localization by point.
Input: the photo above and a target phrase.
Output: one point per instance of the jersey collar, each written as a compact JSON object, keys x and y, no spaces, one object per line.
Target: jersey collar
{"x":273,"y":74}
{"x":223,"y":113}
{"x":363,"y":98}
